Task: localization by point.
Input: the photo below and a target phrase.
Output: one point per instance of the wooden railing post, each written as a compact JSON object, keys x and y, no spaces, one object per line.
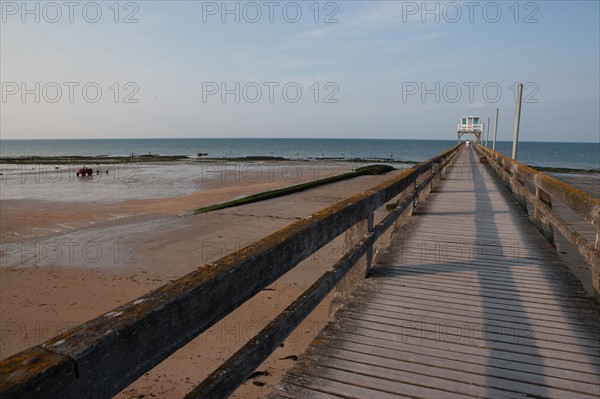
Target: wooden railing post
{"x":539,"y":220}
{"x":505,"y":176}
{"x":355,"y":275}
{"x":434,"y":168}
{"x":596,"y":267}
{"x":518,"y":180}
{"x":416,"y":197}
{"x":427,"y":188}
{"x":370,"y":251}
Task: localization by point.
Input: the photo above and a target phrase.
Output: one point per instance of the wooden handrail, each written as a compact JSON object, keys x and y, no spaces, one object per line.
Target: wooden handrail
{"x":548,"y":190}
{"x":101,"y":357}
{"x":235,"y":370}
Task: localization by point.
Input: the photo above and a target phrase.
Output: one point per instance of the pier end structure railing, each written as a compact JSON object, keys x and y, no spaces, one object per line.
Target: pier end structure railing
{"x":546,"y":190}
{"x":103,"y":356}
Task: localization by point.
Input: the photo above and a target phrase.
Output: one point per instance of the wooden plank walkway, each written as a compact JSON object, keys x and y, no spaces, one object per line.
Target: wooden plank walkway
{"x":468,"y":301}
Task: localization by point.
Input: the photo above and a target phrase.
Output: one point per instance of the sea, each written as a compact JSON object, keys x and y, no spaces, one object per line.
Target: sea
{"x":143,"y":180}
{"x":545,"y":154}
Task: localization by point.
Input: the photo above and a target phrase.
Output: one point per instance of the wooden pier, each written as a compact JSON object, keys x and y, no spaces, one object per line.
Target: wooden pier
{"x":469,"y":301}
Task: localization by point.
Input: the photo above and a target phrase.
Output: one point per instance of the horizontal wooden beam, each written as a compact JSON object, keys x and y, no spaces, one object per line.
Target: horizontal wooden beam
{"x":36,"y":373}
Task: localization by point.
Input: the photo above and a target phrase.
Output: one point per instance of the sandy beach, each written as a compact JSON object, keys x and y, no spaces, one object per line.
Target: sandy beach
{"x":67,"y":259}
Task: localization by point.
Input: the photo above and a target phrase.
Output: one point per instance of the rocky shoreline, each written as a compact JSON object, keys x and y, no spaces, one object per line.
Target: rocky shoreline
{"x":154,"y":158}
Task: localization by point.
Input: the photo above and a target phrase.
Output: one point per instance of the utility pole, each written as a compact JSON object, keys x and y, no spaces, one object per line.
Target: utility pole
{"x":517,"y":121}
{"x":487,"y":132}
{"x":483,"y":134}
{"x":495,"y":128}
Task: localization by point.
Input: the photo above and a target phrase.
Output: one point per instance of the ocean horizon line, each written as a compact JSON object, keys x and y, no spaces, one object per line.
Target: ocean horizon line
{"x":285,"y":138}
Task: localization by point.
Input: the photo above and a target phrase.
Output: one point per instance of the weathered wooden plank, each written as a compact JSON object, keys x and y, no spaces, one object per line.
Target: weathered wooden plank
{"x":515,"y":254}
{"x":417,"y":308}
{"x":478,"y":364}
{"x":551,"y":272}
{"x":569,"y":310}
{"x":516,"y":361}
{"x":489,"y":292}
{"x":294,"y":391}
{"x":570,"y":314}
{"x":427,"y":252}
{"x":489,"y":382}
{"x":524,"y":291}
{"x":493,"y":334}
{"x":381,"y":387}
{"x":411,"y":333}
{"x":424,"y":253}
{"x":491,"y":248}
{"x":586,"y":319}
{"x":465,"y":217}
{"x":507,"y":283}
{"x":474,"y":272}
{"x":513,"y":248}
{"x":410,"y":383}
{"x":506,"y":240}
{"x":501,"y":331}
{"x":575,"y":325}
{"x":316,"y":382}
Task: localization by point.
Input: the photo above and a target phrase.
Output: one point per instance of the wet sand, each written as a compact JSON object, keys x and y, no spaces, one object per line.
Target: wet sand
{"x":65,"y":262}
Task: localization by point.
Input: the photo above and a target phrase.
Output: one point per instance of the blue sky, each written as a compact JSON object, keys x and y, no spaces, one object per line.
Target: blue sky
{"x":360,"y":66}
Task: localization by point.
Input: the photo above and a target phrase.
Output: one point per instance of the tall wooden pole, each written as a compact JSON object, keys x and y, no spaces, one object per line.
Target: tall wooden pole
{"x":517,"y":121}
{"x":495,"y":128}
{"x":483,"y":133}
{"x":487,"y":132}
